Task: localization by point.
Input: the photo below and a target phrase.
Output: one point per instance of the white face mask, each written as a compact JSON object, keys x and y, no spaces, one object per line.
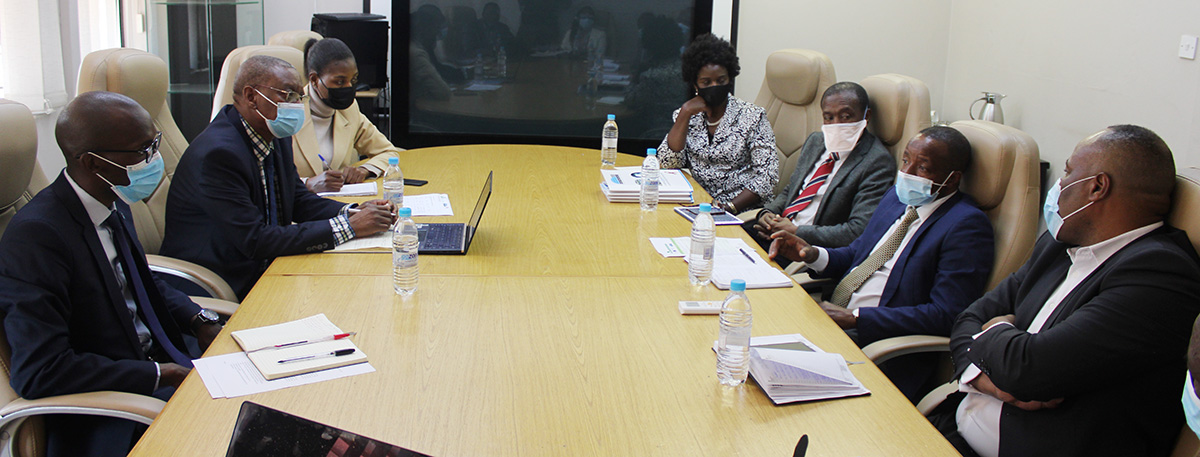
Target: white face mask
{"x":841,"y":138}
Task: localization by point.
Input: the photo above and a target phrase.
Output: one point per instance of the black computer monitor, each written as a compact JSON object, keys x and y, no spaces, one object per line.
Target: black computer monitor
{"x":539,"y":71}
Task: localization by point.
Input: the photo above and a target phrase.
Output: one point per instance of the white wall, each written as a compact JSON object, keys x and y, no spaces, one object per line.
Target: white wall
{"x":862,"y":37}
{"x":1071,"y":68}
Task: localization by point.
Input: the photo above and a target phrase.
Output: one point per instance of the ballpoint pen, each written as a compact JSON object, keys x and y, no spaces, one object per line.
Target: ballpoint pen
{"x":743,"y":251}
{"x":317,"y":340}
{"x":337,"y":353}
{"x":324,"y":164}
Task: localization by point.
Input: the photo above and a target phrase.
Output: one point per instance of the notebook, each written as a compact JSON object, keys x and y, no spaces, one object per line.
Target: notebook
{"x":262,"y":431}
{"x":299,"y":339}
{"x":453,"y":238}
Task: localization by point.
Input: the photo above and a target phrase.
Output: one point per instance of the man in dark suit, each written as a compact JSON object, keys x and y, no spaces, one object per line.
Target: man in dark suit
{"x":236,"y":194}
{"x":82,"y":311}
{"x":1080,"y":352}
{"x":925,"y":254}
{"x":842,"y":173}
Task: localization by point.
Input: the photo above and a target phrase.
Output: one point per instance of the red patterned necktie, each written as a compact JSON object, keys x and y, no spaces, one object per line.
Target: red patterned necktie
{"x":810,"y":190}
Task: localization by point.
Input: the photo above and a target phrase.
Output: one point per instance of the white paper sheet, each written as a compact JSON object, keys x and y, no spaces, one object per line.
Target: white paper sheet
{"x":362,"y":189}
{"x":381,"y":240}
{"x":233,"y":375}
{"x":668,"y":247}
{"x":429,"y":204}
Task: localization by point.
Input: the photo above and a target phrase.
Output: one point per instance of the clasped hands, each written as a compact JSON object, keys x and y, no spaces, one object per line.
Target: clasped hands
{"x":333,"y":180}
{"x":984,"y":384}
{"x":372,"y":217}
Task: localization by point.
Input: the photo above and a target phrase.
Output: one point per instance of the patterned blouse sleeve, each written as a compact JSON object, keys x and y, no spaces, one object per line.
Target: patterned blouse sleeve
{"x":671,"y":159}
{"x":763,"y":159}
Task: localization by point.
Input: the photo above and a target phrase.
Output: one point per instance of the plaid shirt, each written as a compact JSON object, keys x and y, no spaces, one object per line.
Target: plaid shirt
{"x":342,"y":231}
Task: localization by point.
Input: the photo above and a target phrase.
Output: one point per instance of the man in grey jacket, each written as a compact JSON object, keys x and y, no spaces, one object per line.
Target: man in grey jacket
{"x":842,"y":174}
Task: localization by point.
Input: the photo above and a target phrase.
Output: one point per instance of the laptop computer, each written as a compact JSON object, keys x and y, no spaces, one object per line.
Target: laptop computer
{"x":453,"y":238}
{"x":261,"y":431}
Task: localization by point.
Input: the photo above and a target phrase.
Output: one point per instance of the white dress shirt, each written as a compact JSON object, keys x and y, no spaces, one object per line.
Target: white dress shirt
{"x":807,"y":215}
{"x":978,"y":415}
{"x":868,"y":295}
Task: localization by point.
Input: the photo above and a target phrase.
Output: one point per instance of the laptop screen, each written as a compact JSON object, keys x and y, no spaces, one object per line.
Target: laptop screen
{"x":479,"y":205}
{"x":262,"y":432}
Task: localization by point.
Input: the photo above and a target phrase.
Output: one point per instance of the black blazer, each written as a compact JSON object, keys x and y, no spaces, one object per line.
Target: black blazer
{"x":64,"y":312}
{"x":1114,"y":349}
{"x":215,"y":210}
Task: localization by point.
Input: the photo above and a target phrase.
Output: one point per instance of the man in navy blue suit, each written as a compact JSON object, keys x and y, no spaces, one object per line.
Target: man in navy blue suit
{"x":82,"y":312}
{"x":236,"y":201}
{"x":925,"y":255}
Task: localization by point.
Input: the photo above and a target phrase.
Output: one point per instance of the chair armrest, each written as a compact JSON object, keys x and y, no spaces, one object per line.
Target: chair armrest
{"x":936,"y":396}
{"x":889,"y":348}
{"x":196,"y":274}
{"x":225,"y":308}
{"x":122,"y":405}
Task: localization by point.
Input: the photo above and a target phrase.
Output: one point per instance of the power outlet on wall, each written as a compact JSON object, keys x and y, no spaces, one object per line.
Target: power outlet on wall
{"x":1187,"y":47}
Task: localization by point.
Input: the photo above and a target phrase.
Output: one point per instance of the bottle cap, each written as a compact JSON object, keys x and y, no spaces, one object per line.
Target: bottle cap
{"x":737,"y":285}
{"x":393,"y":161}
{"x":612,"y":117}
{"x":404,"y":212}
{"x":651,"y":151}
{"x":705,"y":208}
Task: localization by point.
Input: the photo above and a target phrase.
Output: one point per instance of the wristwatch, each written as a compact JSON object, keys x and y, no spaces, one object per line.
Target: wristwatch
{"x":205,"y":316}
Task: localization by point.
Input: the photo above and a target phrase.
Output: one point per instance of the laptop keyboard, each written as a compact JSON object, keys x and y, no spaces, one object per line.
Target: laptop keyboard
{"x":444,"y":237}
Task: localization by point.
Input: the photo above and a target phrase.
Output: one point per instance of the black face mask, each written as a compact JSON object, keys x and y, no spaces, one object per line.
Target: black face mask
{"x":339,"y":98}
{"x":714,"y":96}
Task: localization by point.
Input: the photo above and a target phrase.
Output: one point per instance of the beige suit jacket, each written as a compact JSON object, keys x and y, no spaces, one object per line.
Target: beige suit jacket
{"x":353,"y":135}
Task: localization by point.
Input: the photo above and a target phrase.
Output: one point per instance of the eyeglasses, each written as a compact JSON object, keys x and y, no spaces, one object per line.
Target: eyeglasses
{"x":289,"y":96}
{"x":147,"y":152}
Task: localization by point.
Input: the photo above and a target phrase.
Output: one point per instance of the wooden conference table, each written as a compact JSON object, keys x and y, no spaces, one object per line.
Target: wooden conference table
{"x":558,"y":334}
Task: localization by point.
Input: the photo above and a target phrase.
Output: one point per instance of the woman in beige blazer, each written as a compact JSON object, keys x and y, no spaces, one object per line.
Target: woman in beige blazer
{"x":336,"y":133}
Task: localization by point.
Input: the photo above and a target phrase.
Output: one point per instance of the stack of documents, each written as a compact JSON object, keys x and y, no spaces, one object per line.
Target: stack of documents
{"x":623,"y":185}
{"x":789,"y":369}
{"x":362,"y":189}
{"x":732,"y":259}
{"x":298,"y":347}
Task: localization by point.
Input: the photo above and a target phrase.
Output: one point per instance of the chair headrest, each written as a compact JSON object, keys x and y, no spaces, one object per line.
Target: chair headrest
{"x":18,"y":151}
{"x":224,"y":93}
{"x":793,"y":75}
{"x":994,"y":148}
{"x":1184,"y":202}
{"x":892,"y":97}
{"x":293,"y":38}
{"x":131,"y":72}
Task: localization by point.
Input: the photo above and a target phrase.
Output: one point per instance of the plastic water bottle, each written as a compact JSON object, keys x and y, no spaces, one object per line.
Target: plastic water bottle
{"x":648,"y":196}
{"x":700,"y":256}
{"x":608,"y":145}
{"x":733,"y":344}
{"x":404,"y":253}
{"x":393,"y":183}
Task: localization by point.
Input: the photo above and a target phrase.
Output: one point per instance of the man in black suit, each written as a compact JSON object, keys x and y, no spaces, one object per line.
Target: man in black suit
{"x":1080,"y":352}
{"x":236,"y":201}
{"x":82,"y":311}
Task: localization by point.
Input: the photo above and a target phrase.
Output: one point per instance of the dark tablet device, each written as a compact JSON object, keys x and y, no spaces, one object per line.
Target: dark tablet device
{"x":265,"y":432}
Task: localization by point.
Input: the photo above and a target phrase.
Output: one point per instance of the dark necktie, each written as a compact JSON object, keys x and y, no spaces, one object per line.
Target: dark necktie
{"x":124,"y":243}
{"x":272,"y":209}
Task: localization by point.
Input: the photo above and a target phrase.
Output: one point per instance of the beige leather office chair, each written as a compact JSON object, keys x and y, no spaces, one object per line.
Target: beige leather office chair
{"x":899,"y":109}
{"x":293,"y":38}
{"x":20,"y":176}
{"x":143,"y":77}
{"x":791,"y":93}
{"x":1003,"y":180}
{"x":233,"y":61}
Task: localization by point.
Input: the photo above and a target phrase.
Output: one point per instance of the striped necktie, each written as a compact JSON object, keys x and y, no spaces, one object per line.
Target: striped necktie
{"x":807,"y":194}
{"x":859,"y":275}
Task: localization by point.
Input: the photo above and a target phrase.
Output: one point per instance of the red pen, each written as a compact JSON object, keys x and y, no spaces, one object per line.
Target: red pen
{"x":318,"y":340}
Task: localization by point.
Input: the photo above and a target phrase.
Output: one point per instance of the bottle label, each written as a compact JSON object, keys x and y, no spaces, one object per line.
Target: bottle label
{"x":404,"y":260}
{"x":609,"y":143}
{"x":708,"y":252}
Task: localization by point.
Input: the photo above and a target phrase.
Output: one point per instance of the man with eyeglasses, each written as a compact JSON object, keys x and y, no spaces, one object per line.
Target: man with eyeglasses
{"x":236,"y":202}
{"x":81,"y":308}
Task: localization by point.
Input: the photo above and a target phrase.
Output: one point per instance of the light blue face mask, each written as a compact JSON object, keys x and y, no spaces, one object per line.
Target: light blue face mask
{"x":916,"y":191}
{"x":289,"y":117}
{"x":1054,"y":222}
{"x":143,"y":178}
{"x":1191,"y":405}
